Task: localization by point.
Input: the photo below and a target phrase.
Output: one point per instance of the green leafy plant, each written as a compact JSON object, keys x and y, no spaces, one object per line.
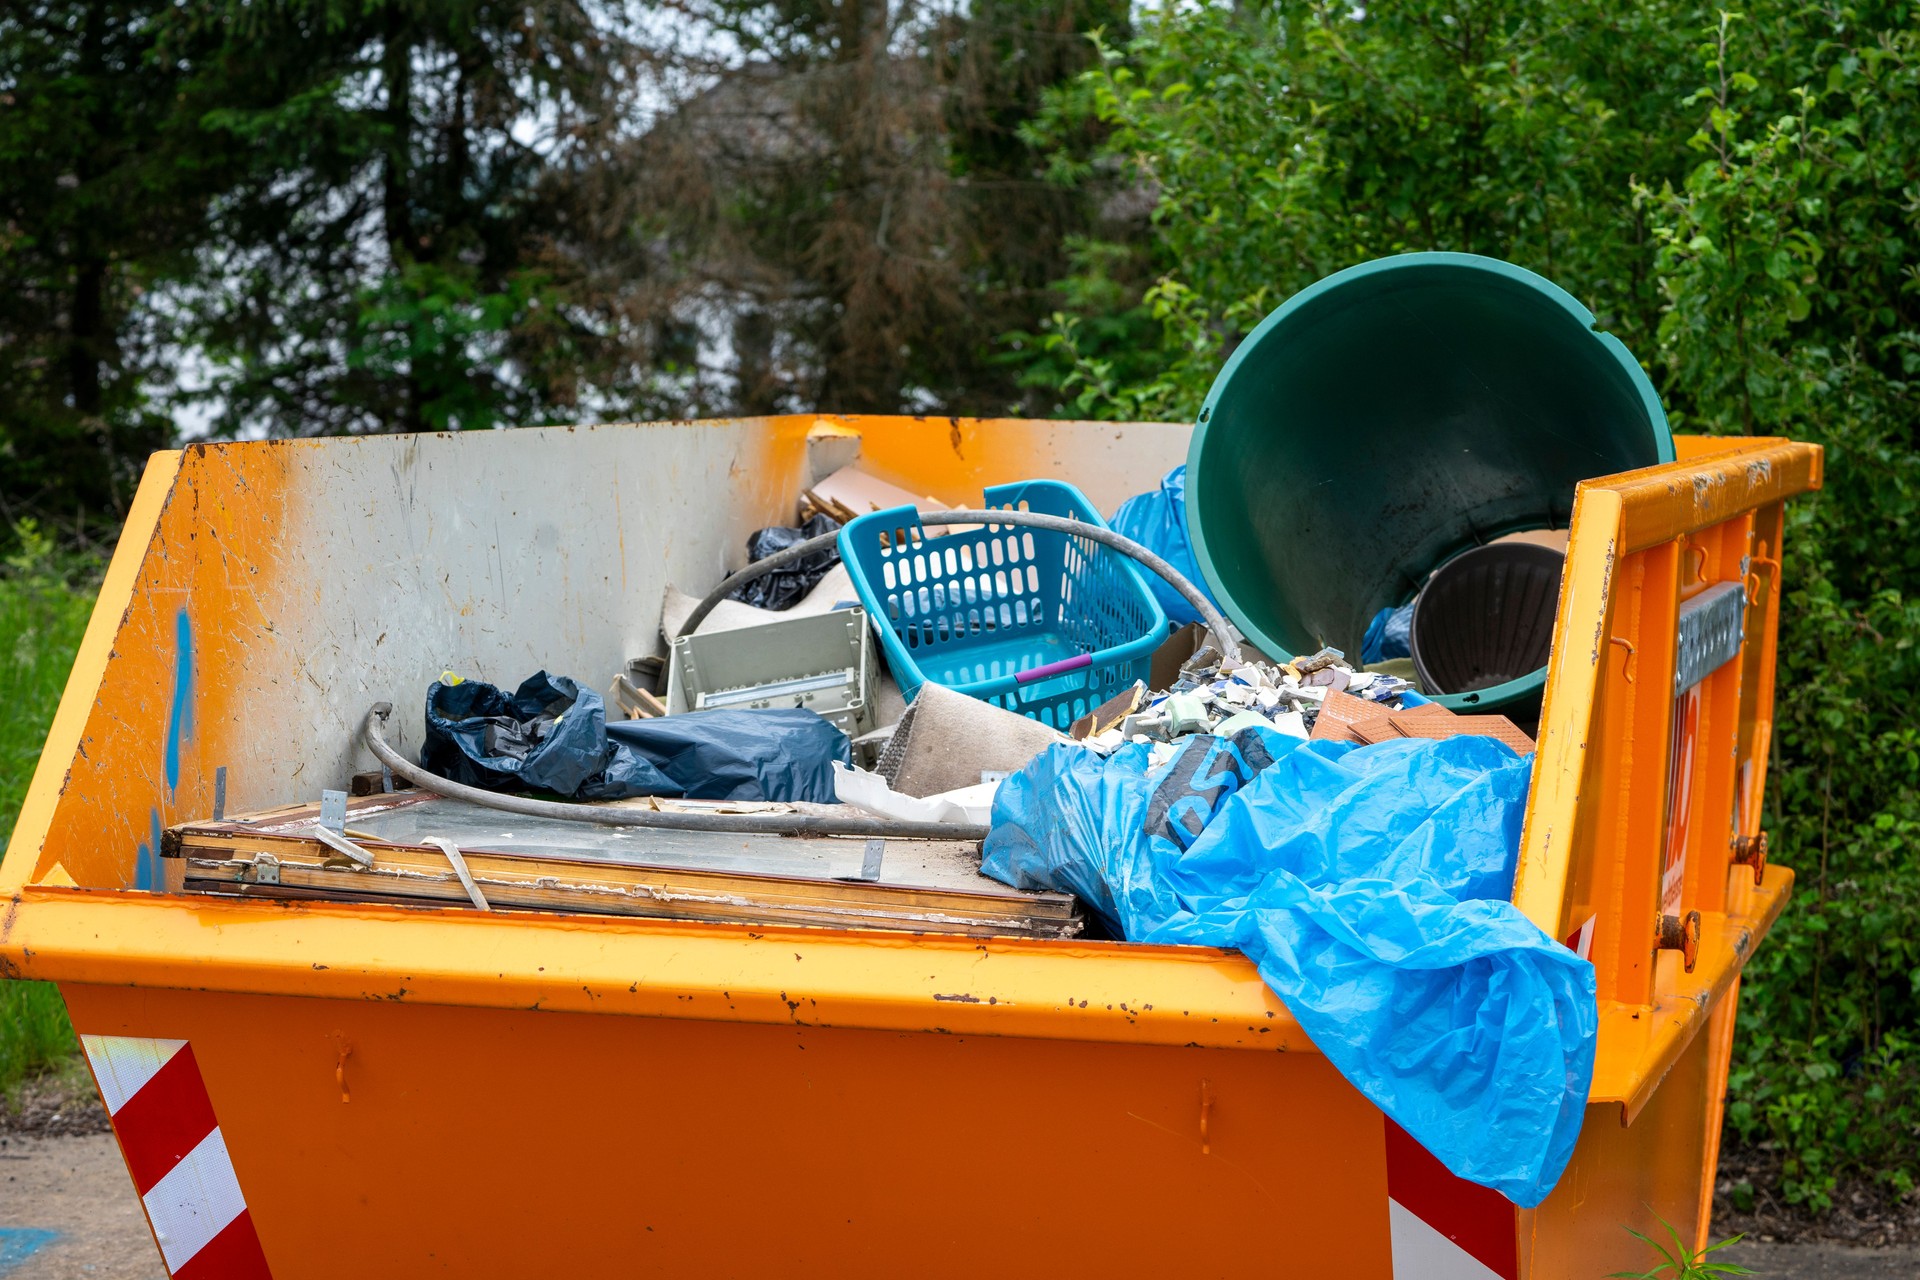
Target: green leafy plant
{"x":1680,"y":1262}
{"x":1732,"y":194}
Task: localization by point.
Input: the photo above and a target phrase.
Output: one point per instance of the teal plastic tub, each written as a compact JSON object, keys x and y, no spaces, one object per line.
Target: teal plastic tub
{"x":1390,"y":417}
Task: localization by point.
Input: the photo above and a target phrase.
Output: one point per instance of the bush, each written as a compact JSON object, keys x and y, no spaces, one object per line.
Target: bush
{"x":1734,"y":197}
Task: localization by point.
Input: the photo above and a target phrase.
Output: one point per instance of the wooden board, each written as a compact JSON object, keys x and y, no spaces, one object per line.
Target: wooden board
{"x":275,"y":854}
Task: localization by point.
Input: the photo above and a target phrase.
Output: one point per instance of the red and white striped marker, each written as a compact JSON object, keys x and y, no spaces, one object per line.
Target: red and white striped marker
{"x":1444,"y":1227}
{"x":1580,"y":941}
{"x":177,"y":1156}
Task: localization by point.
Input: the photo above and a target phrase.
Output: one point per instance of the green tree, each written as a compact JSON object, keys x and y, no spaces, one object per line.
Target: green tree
{"x":105,"y":181}
{"x":414,"y":249}
{"x":1282,"y":141}
{"x":853,"y":197}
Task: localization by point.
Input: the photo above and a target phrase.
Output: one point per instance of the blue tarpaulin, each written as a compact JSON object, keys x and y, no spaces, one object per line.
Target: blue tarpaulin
{"x":1371,"y":887}
{"x":1388,"y":635}
{"x":1157,"y":520}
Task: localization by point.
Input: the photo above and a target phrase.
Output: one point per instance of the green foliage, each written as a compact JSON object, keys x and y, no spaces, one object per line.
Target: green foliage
{"x":1734,"y":196}
{"x":45,"y":600}
{"x":34,"y":1032}
{"x":328,"y":216}
{"x":104,"y":186}
{"x":1280,"y":142}
{"x":437,"y":328}
{"x":860,"y":195}
{"x":1680,"y":1262}
{"x":420,"y":242}
{"x":1785,"y":258}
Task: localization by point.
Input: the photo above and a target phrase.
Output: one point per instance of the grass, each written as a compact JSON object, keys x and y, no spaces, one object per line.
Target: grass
{"x":34,"y":1033}
{"x":1680,"y":1262}
{"x":42,"y":617}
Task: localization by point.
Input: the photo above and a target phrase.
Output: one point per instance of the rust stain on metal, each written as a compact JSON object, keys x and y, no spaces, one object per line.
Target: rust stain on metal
{"x":1206,"y":1117}
{"x":344,"y":1050}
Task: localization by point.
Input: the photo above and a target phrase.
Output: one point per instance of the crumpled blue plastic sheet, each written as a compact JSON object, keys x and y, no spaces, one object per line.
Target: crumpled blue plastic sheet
{"x":1371,"y":887}
{"x":1389,"y":635}
{"x":552,"y":735}
{"x":1157,"y":520}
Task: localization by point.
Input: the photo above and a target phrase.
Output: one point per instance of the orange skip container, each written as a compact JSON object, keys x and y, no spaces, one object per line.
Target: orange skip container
{"x":317,"y":1089}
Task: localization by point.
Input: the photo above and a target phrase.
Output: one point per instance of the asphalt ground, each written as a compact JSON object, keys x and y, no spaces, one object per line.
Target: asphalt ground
{"x":68,"y":1212}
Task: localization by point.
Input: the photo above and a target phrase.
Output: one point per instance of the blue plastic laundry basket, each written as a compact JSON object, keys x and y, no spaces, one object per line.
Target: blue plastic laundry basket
{"x":1038,"y":622}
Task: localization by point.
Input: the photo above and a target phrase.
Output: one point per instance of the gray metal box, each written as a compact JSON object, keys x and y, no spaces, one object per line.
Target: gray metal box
{"x":823,"y":662}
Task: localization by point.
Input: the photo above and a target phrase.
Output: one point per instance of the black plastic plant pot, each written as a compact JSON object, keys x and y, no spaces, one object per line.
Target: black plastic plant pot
{"x":1485,"y":618}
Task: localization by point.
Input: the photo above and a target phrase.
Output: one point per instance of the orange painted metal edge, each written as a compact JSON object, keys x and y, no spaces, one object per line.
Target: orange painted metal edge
{"x":1640,"y":510}
{"x":1641,"y":1043}
{"x":1566,"y":716}
{"x":1694,"y":448}
{"x":954,"y":463}
{"x":1662,"y":503}
{"x":1191,"y":996}
{"x":89,"y":668}
{"x":1720,"y":1029}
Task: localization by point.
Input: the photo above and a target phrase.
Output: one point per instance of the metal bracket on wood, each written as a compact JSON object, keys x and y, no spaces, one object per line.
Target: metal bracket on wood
{"x":460,"y":869}
{"x":331,"y":829}
{"x":870,"y":860}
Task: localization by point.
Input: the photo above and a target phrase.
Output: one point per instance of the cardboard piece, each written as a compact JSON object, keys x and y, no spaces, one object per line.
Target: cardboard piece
{"x":946,"y":740}
{"x":1345,"y":718}
{"x":1163,"y":669}
{"x":851,"y":492}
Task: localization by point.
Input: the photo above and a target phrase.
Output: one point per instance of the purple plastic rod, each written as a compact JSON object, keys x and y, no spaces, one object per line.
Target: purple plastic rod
{"x":1053,"y":668}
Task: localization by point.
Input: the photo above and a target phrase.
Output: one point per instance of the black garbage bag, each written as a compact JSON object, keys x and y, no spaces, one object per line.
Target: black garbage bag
{"x":780,"y":753}
{"x":550,"y":735}
{"x":553,"y":735}
{"x":784,"y":587}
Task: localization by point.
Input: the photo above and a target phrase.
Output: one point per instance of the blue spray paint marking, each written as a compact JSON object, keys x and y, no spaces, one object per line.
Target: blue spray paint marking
{"x":180,"y":722}
{"x":17,"y":1244}
{"x":146,"y":861}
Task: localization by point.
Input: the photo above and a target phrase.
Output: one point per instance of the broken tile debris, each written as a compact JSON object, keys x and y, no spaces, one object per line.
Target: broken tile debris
{"x":1317,"y":696}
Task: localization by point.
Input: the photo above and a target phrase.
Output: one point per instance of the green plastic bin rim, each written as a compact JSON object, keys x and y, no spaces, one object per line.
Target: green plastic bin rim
{"x":1499,"y":695}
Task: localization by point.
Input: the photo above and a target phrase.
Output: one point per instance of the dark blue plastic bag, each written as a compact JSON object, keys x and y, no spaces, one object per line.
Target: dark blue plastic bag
{"x":780,"y":753}
{"x":1389,"y":635}
{"x":1157,"y":520}
{"x":1369,"y":885}
{"x":553,"y":735}
{"x":550,"y":735}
